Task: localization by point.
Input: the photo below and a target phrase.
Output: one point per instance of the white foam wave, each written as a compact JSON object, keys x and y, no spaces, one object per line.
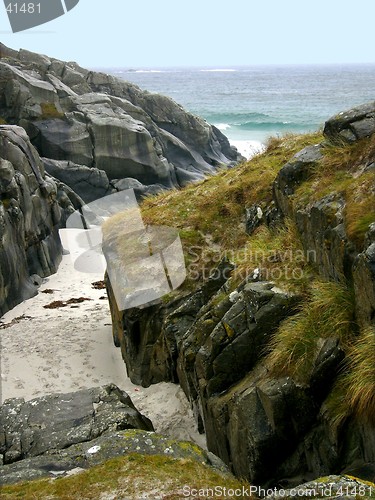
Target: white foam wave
{"x":248,"y":149}
{"x":222,"y":126}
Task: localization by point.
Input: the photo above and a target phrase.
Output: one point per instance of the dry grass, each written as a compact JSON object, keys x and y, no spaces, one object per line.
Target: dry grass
{"x":354,"y":391}
{"x":342,"y":170}
{"x":210,"y":215}
{"x":328,"y":312}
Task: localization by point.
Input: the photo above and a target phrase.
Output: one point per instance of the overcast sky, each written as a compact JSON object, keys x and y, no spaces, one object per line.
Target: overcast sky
{"x":152,"y":33}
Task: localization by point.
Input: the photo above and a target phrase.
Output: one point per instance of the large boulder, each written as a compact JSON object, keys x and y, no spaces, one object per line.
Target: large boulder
{"x":32,"y":209}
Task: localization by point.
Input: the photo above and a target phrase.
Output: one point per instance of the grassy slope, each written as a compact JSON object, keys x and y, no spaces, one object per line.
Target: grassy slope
{"x":210,"y":217}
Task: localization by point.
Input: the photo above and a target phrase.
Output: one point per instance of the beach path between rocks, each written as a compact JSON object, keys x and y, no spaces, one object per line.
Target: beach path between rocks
{"x":68,"y":346}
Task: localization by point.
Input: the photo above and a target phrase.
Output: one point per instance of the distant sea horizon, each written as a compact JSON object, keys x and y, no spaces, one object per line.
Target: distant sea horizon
{"x":251,"y":103}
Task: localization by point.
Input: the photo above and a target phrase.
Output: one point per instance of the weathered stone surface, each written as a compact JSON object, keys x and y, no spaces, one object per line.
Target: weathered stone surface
{"x":352,"y":125}
{"x":293,"y":173}
{"x":320,"y":224}
{"x":30,"y":216}
{"x":58,"y":421}
{"x":98,"y":121}
{"x":88,"y":183}
{"x":233,"y":347}
{"x":151,"y":357}
{"x":59,"y":463}
{"x":340,"y":486}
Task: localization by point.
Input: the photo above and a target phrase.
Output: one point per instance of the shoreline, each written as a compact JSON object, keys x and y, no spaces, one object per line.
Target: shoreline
{"x":64,"y":349}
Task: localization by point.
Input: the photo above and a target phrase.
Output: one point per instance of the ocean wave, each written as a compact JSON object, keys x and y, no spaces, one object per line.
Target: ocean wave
{"x":218,"y":70}
{"x":253,"y":121}
{"x":149,"y":71}
{"x":271,"y":125}
{"x":222,"y":126}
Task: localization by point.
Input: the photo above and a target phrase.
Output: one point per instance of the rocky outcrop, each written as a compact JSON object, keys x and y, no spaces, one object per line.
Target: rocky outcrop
{"x":32,"y":208}
{"x":62,"y":434}
{"x":352,"y":125}
{"x":58,"y":421}
{"x":268,"y":427}
{"x":107,"y":125}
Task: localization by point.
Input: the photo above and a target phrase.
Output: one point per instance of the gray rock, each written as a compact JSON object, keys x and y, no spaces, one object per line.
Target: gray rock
{"x":30,"y":216}
{"x":352,"y":125}
{"x":98,"y":121}
{"x":63,"y":462}
{"x":329,"y":487}
{"x":293,"y":174}
{"x":364,"y":281}
{"x":58,"y":421}
{"x":88,"y":183}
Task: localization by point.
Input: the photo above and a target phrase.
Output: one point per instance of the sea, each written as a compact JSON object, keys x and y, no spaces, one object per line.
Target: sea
{"x":251,"y":103}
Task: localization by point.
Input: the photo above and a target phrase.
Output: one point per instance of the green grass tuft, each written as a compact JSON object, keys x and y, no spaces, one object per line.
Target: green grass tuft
{"x":354,"y":391}
{"x":328,"y":312}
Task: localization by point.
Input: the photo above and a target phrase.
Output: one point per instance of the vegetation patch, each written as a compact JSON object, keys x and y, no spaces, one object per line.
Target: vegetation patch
{"x":133,"y":476}
{"x":354,"y":391}
{"x":210,"y":216}
{"x":347,"y":170}
{"x":328,"y":312}
{"x":49,"y":110}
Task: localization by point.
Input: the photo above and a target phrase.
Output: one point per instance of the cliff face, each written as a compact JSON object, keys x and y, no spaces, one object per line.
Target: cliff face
{"x":32,"y":208}
{"x":100,"y":134}
{"x":274,"y":360}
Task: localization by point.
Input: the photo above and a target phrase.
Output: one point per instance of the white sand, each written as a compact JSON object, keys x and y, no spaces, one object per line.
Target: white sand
{"x":65,"y":349}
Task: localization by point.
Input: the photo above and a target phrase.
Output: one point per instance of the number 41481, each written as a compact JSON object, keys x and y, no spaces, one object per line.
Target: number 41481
{"x":23,"y":8}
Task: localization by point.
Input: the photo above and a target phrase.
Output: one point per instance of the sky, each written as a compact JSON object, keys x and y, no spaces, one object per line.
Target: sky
{"x":216,"y":33}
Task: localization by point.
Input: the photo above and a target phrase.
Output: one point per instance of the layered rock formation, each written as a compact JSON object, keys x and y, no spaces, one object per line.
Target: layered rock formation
{"x":213,"y":340}
{"x":97,"y":130}
{"x":84,"y":135}
{"x":63,"y":434}
{"x":32,"y":208}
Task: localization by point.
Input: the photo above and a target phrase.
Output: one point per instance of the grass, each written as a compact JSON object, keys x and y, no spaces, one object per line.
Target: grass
{"x":49,"y":110}
{"x":327,"y":312}
{"x":128,"y":477}
{"x":210,"y":215}
{"x":3,"y":121}
{"x":354,"y":391}
{"x":341,"y":171}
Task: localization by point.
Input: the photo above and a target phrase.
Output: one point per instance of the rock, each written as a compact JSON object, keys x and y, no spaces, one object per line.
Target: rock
{"x":152,"y":356}
{"x":320,"y":224}
{"x":63,"y":462}
{"x":364,"y":280}
{"x":254,"y":218}
{"x":89,"y":184}
{"x":255,"y":417}
{"x":293,"y":174}
{"x":352,"y":125}
{"x":345,"y":487}
{"x":58,"y":421}
{"x":232,"y":349}
{"x":30,"y":216}
{"x":95,"y":120}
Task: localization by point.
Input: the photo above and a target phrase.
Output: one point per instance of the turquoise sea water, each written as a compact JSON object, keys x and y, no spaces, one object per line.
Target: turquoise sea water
{"x":252,"y":103}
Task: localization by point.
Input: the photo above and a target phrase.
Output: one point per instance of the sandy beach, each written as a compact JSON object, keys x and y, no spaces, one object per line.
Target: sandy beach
{"x":66,"y":348}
